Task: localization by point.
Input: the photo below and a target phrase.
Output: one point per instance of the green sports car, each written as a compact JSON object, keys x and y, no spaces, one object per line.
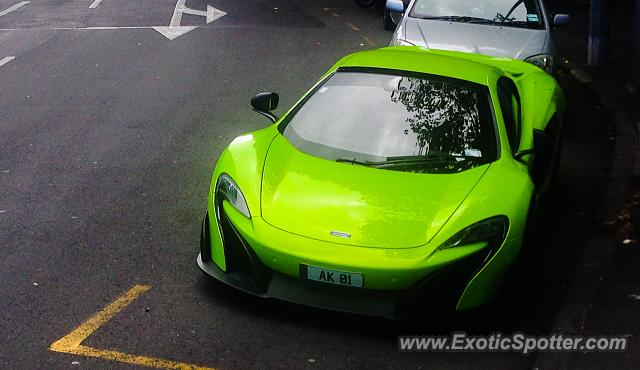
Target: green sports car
{"x":400,"y":185}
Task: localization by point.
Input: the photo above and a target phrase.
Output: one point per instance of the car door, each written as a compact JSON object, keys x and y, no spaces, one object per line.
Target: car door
{"x":539,"y":162}
{"x":511,"y":111}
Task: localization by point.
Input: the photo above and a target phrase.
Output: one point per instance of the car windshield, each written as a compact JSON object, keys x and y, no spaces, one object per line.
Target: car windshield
{"x":398,"y":121}
{"x":514,"y":13}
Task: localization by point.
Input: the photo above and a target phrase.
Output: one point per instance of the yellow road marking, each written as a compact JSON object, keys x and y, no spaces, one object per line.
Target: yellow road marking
{"x":133,"y":359}
{"x":83,"y":331}
{"x":72,"y":342}
{"x":354,"y":28}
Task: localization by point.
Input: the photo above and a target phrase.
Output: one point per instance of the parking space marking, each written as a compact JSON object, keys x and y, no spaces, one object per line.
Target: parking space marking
{"x":6,"y":60}
{"x":13,"y":7}
{"x":95,"y":4}
{"x":72,"y":342}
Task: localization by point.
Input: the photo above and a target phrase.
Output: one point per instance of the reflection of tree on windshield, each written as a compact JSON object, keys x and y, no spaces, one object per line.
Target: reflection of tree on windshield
{"x":445,"y":116}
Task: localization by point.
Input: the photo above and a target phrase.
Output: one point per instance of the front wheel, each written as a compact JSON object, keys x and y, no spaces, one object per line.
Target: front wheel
{"x":365,"y":3}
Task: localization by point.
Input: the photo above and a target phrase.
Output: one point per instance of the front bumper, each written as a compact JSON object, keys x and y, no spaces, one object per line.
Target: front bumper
{"x":437,"y":291}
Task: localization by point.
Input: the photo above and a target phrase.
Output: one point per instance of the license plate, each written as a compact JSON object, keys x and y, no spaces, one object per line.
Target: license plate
{"x":327,"y":276}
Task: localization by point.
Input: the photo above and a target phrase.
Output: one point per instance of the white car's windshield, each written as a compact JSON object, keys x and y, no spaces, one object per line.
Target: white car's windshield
{"x":514,"y":13}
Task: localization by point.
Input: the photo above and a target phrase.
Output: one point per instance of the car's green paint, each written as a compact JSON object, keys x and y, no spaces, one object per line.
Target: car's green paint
{"x":397,"y":219}
{"x":377,"y":207}
{"x":243,"y":160}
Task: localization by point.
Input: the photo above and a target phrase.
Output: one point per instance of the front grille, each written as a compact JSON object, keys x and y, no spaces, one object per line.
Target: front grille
{"x":239,"y":256}
{"x":205,"y":240}
{"x":441,"y":290}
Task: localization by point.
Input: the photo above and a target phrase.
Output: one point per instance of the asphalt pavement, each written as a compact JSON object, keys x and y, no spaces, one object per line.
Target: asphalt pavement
{"x":108,"y":136}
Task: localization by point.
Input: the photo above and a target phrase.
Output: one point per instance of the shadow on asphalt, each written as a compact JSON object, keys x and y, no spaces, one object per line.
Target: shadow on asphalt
{"x":569,"y":217}
{"x":530,"y":300}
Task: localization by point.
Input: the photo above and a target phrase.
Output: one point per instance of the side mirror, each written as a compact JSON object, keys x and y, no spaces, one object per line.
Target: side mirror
{"x":561,"y":20}
{"x":540,"y":147}
{"x":395,"y":6}
{"x":264,"y":103}
{"x":519,"y":155}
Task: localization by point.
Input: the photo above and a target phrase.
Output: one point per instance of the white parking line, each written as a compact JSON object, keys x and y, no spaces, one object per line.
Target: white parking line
{"x":13,"y":7}
{"x":102,"y":28}
{"x":6,"y":60}
{"x":37,"y":29}
{"x":95,"y":4}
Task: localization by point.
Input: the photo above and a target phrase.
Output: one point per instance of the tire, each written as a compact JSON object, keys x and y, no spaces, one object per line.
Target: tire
{"x":387,"y":21}
{"x":555,"y":174}
{"x":381,"y":6}
{"x":365,"y":3}
{"x":532,"y":226}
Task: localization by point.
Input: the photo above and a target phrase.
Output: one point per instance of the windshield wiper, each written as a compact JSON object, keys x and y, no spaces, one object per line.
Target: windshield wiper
{"x":459,"y":18}
{"x":354,"y":161}
{"x":411,"y":160}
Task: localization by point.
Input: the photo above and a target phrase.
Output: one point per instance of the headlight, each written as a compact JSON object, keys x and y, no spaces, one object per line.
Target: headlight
{"x":229,"y":190}
{"x":543,"y":61}
{"x":492,"y":230}
{"x":401,"y":42}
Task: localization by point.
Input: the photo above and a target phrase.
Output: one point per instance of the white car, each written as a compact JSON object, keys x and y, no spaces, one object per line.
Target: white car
{"x":520,"y":29}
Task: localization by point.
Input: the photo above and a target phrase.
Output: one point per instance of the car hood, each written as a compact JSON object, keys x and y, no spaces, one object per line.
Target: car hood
{"x":327,"y":200}
{"x":511,"y":42}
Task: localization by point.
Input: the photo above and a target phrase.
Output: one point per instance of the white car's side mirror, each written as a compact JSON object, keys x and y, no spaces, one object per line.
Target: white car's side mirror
{"x":395,"y":6}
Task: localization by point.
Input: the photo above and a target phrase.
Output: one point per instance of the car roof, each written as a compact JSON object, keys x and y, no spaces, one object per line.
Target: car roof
{"x":465,"y":66}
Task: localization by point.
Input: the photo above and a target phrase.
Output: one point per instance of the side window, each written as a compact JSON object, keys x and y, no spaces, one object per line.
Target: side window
{"x":511,"y":110}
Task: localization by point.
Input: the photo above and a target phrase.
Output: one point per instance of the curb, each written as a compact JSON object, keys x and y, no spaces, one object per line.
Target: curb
{"x":586,"y":279}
